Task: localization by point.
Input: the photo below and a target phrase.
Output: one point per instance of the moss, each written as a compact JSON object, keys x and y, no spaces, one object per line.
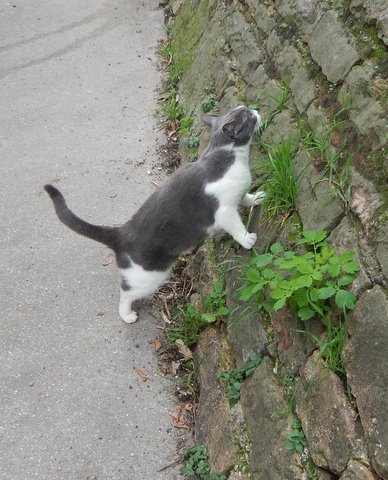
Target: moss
{"x":189,"y":25}
{"x":244,"y":443}
{"x":368,"y":44}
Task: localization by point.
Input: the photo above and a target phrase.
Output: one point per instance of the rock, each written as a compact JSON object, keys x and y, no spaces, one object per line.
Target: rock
{"x":222,"y":78}
{"x":287,"y":60}
{"x":331,"y":48}
{"x":293,"y":347}
{"x":245,"y":330}
{"x":242,"y":42}
{"x":344,"y":237}
{"x":357,"y":471}
{"x":263,"y":403}
{"x":364,"y":198}
{"x":229,"y":100}
{"x":373,"y":11}
{"x":258,"y":83}
{"x":302,"y":89}
{"x":382,"y":249}
{"x":324,"y":474}
{"x":318,"y":207}
{"x":366,"y":357}
{"x":263,"y":18}
{"x":304,"y":14}
{"x":316,"y":118}
{"x":200,"y":269}
{"x":366,"y":112}
{"x":175,"y":6}
{"x":214,"y":423}
{"x":328,"y":421}
{"x":280,"y":128}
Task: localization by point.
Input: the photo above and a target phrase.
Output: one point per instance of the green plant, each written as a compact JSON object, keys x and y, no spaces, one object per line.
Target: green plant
{"x":337,"y":176}
{"x":306,"y":282}
{"x":277,"y":178}
{"x":172,"y":109}
{"x":186,"y":326}
{"x":331,"y":346}
{"x":189,"y":322}
{"x":185,"y":124}
{"x":209,"y":103}
{"x":280,"y":103}
{"x":234,"y":378}
{"x":196,"y":459}
{"x":215,"y":303}
{"x":296,"y":440}
{"x":192,"y":141}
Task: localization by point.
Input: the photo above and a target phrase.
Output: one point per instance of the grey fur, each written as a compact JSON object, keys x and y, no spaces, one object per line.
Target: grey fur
{"x":198,"y":199}
{"x":178,"y":215}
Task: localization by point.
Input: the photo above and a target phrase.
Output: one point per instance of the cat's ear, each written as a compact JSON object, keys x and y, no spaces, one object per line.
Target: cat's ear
{"x":229,"y":130}
{"x":209,"y":120}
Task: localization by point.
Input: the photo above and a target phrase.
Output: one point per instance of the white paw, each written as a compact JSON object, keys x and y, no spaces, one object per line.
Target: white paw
{"x":249,"y":240}
{"x":130,"y":317}
{"x":258,"y":197}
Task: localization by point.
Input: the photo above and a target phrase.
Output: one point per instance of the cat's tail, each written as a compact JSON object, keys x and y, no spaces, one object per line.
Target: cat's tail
{"x":105,"y":235}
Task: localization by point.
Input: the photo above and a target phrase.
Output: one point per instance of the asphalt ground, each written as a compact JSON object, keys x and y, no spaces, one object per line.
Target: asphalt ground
{"x":78,"y":84}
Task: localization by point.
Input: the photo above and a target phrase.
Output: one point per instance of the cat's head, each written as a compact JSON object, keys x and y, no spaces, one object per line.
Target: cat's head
{"x":235,"y":126}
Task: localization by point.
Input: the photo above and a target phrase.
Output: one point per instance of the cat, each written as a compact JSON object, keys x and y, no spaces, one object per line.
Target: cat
{"x":198,"y":200}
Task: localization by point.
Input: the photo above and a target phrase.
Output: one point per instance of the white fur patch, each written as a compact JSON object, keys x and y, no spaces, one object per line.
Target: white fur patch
{"x":229,"y":189}
{"x":141,"y":284}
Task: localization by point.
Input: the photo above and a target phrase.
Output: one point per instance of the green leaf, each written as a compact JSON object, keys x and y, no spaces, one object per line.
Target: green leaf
{"x":347,"y":256}
{"x":317,"y":275}
{"x":326,"y":292}
{"x":302,"y":282}
{"x":345,"y":280}
{"x":313,"y":292}
{"x":351,"y":267}
{"x":209,"y":317}
{"x":288,"y":255}
{"x":253,"y":275}
{"x":268,"y":273}
{"x":289,"y":445}
{"x":313,"y":237}
{"x":279,"y":303}
{"x":279,"y":293}
{"x":263,"y":260}
{"x":301,"y":298}
{"x":345,"y":299}
{"x":305,"y":313}
{"x":305,"y":267}
{"x":334,"y":260}
{"x":334,"y":270}
{"x":276,"y":248}
{"x":246,"y":293}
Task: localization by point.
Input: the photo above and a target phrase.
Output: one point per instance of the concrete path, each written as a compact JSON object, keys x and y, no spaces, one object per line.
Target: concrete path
{"x":77,"y":97}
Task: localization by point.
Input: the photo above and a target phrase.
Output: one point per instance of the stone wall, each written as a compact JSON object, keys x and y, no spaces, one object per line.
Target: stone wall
{"x":332,"y":55}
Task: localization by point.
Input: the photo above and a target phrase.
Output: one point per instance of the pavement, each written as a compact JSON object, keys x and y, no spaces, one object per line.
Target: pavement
{"x":77,"y":100}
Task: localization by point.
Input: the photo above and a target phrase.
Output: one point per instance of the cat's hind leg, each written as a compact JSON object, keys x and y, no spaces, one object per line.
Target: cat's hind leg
{"x":137,"y":283}
{"x":250,"y":199}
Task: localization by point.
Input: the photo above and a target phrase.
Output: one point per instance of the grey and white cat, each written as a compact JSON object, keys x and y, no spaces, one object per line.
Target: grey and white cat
{"x":198,"y":200}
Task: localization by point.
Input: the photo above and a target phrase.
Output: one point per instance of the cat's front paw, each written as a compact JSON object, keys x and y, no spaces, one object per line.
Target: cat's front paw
{"x":258,"y":197}
{"x":249,"y":240}
{"x":130,"y":317}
